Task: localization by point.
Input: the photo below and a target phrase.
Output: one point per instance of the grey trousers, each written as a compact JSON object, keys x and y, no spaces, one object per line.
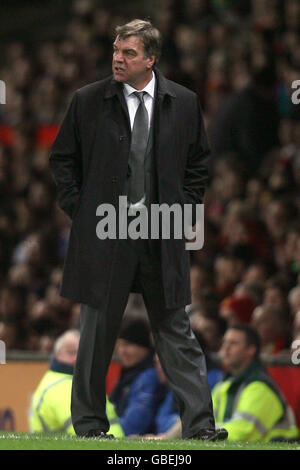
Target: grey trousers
{"x":179,"y":352}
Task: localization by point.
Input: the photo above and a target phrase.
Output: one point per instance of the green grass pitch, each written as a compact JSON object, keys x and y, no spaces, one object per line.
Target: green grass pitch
{"x":22,"y":441}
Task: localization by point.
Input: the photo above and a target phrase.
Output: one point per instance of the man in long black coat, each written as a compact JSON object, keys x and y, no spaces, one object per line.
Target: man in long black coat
{"x":92,"y":164}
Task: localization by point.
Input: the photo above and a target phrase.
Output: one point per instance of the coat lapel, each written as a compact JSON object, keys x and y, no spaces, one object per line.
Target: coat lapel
{"x":115,"y":90}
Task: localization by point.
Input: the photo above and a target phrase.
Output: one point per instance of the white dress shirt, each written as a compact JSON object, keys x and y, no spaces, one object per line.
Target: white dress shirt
{"x":133,"y":101}
{"x":132,"y":105}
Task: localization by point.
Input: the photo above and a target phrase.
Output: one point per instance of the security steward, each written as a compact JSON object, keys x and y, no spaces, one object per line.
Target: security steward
{"x":247,"y":402}
{"x":51,"y":403}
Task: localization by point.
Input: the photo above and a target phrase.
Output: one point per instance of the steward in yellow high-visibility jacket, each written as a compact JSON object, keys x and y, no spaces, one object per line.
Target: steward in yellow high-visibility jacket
{"x":51,"y":403}
{"x":251,"y":407}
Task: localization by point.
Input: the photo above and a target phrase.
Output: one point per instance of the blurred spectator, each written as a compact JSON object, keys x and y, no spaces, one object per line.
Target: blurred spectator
{"x":271,"y":323}
{"x":277,"y":216}
{"x":237,"y":309}
{"x":202,"y":283}
{"x":51,"y":401}
{"x":229,"y":270}
{"x":12,"y":303}
{"x":257,"y":273}
{"x":275,"y":294}
{"x":240,"y":123}
{"x":252,"y":290}
{"x":167,"y":423}
{"x":214,"y":372}
{"x":75,"y":316}
{"x":167,"y":413}
{"x":210,"y":327}
{"x":247,"y":402}
{"x":294,"y":300}
{"x":137,"y":393}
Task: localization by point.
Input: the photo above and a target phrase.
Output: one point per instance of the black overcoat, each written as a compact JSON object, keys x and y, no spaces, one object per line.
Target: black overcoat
{"x":89,"y":163}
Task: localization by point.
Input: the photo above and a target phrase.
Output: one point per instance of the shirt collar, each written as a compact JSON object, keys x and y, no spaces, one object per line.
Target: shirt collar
{"x":149,"y":88}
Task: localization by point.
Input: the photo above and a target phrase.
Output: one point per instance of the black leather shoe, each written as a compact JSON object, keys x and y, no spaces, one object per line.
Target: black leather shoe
{"x":211,"y":435}
{"x":98,"y":433}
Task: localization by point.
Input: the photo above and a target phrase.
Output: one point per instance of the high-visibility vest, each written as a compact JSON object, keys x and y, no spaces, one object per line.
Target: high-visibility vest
{"x":51,"y":406}
{"x":251,"y":407}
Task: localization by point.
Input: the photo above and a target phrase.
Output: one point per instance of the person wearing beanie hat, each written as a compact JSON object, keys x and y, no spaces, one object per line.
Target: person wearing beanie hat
{"x":137,"y":394}
{"x":136,"y":331}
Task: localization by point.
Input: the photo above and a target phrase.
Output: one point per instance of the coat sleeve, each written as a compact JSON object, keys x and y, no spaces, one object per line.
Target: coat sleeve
{"x":65,"y":161}
{"x":196,"y":172}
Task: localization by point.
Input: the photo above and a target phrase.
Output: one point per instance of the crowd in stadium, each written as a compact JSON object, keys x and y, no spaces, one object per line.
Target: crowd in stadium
{"x":241,"y":58}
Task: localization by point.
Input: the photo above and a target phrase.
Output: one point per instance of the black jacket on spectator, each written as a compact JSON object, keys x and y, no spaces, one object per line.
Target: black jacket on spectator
{"x":89,"y":161}
{"x":119,"y":394}
{"x":247,"y":126}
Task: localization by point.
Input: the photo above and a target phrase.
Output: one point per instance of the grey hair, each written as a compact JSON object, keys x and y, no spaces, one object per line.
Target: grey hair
{"x":149,"y":35}
{"x":60,"y":342}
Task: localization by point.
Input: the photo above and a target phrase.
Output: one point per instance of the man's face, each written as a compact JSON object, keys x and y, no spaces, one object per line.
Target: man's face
{"x":68,"y":353}
{"x":129,"y":63}
{"x":236,"y":353}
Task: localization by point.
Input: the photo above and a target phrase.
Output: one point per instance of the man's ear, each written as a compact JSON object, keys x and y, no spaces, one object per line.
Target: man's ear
{"x":151,"y":61}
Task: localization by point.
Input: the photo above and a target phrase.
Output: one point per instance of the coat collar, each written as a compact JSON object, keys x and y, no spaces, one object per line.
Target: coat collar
{"x":163,"y":86}
{"x":59,"y":366}
{"x":254,"y":366}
